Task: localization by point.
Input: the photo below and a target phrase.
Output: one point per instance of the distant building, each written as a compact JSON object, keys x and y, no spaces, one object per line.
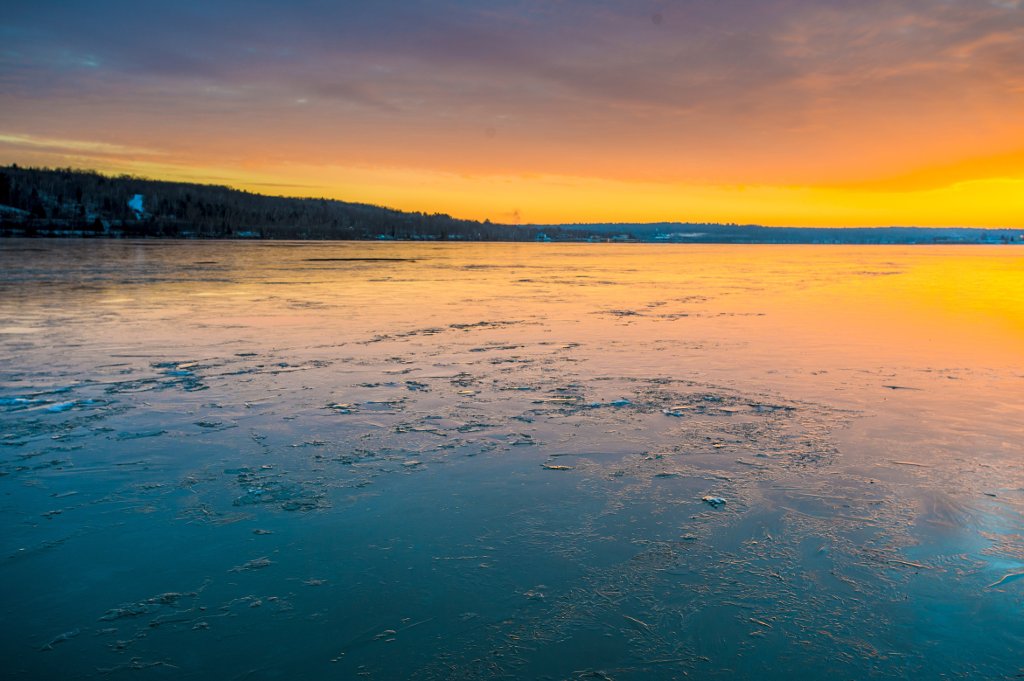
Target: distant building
{"x":135,"y":204}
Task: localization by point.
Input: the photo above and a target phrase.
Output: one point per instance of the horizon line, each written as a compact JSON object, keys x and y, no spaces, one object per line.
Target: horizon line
{"x":13,"y":165}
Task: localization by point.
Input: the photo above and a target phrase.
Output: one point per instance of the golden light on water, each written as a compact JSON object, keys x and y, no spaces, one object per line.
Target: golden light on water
{"x":831,"y":305}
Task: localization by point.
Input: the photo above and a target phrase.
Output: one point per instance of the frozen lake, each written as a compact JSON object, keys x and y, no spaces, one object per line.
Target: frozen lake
{"x":234,"y":460}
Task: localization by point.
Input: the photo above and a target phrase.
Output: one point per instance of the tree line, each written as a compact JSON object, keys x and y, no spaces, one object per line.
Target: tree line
{"x":41,"y":201}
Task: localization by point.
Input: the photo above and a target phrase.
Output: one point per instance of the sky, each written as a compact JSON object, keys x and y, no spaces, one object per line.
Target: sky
{"x":777,"y":112}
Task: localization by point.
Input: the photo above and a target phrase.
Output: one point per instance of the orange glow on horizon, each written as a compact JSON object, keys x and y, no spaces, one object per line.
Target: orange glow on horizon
{"x":996,"y":201}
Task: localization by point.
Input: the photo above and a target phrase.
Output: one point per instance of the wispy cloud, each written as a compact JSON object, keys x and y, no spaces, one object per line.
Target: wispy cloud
{"x":86,"y":147}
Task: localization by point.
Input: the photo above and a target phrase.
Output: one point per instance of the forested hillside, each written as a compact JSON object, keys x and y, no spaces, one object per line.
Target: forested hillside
{"x":44,"y":201}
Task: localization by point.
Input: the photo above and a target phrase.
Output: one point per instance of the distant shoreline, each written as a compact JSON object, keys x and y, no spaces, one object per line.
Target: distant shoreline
{"x":63,"y":236}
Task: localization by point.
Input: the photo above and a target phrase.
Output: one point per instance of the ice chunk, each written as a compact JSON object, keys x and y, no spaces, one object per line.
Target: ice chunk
{"x":18,"y":402}
{"x":66,"y":636}
{"x":254,"y":564}
{"x":1012,"y":577}
{"x":675,"y":411}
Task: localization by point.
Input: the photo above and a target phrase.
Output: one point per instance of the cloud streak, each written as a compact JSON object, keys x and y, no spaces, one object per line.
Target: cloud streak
{"x":74,"y":146}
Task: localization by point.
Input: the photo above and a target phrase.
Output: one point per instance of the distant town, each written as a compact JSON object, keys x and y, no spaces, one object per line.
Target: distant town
{"x":65,"y":202}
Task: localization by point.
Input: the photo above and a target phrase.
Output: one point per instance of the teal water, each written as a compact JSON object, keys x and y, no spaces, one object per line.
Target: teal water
{"x":473,"y":461}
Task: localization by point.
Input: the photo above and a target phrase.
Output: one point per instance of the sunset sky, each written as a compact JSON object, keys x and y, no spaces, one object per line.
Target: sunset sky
{"x":779,"y":112}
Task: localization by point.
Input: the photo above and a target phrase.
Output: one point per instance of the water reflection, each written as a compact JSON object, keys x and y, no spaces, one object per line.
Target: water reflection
{"x":490,"y":460}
